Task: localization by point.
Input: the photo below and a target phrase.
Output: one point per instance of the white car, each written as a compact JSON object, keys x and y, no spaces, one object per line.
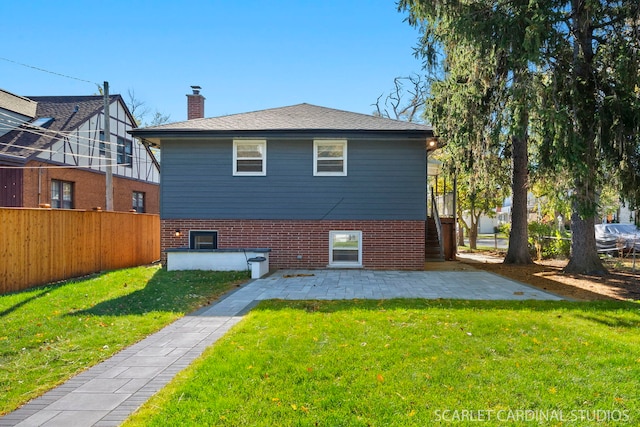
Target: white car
{"x":617,"y":236}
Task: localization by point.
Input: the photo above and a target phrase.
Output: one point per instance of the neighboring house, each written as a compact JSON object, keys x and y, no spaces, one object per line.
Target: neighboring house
{"x":502,"y":215}
{"x":52,"y":152}
{"x":318,"y":186}
{"x":623,"y":215}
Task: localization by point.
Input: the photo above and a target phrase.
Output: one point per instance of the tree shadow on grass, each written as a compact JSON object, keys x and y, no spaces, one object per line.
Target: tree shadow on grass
{"x":24,"y":302}
{"x":171,"y":291}
{"x":40,"y":291}
{"x":613,"y":320}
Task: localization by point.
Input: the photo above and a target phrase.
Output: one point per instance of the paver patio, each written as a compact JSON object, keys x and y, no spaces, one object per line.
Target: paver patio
{"x":108,"y":393}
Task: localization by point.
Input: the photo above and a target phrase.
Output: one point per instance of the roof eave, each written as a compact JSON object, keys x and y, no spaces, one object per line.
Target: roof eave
{"x":155,"y":137}
{"x":11,"y":159}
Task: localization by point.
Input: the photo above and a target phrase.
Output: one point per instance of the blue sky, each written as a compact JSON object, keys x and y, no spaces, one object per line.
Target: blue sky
{"x":246,"y":55}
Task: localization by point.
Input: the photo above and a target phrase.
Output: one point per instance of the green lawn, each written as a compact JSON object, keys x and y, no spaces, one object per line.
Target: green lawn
{"x":414,"y":363}
{"x":53,"y":332}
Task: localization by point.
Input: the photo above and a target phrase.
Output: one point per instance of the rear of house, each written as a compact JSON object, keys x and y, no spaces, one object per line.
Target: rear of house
{"x":318,"y":187}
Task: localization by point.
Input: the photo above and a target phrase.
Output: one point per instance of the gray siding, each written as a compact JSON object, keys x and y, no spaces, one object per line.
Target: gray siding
{"x":386,"y":180}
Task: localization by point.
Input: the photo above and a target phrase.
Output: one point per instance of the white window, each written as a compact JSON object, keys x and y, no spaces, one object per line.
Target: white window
{"x":330,"y":157}
{"x":345,"y":248}
{"x":250,"y":157}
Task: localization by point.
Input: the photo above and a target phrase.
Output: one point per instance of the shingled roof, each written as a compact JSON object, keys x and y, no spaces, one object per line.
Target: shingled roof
{"x":300,"y":118}
{"x":68,"y":113}
{"x":18,"y":104}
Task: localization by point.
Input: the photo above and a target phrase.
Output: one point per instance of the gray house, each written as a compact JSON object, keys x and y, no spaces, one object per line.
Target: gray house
{"x":317,"y":186}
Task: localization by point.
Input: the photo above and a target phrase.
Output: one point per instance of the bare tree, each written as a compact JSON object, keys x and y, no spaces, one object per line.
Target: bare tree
{"x":137,"y":107}
{"x":397,"y":105}
{"x":158,"y":119}
{"x":140,"y":111}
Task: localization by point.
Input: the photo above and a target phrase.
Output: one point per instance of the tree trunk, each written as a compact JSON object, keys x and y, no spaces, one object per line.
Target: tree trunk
{"x":518,"y":250}
{"x":473,"y":230}
{"x":473,"y":237}
{"x":460,"y":235}
{"x":584,"y":257}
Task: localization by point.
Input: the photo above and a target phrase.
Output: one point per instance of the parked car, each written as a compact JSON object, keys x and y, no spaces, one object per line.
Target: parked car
{"x":617,"y":237}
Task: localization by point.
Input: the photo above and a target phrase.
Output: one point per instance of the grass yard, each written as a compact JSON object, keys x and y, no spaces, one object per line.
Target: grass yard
{"x":53,"y":332}
{"x":413,"y":363}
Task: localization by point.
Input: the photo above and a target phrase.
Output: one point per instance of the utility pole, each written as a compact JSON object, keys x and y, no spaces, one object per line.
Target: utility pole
{"x":107,"y":147}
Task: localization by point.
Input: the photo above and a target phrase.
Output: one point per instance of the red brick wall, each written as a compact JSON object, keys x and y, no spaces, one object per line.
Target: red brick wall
{"x":89,"y":188}
{"x":385,"y":244}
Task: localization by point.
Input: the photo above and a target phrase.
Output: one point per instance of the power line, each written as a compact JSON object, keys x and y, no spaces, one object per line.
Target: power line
{"x":38,"y":130}
{"x":11,"y":123}
{"x":113,"y":162}
{"x":72,"y":135}
{"x":93,"y":146}
{"x":47,"y":71}
{"x":51,"y":152}
{"x":60,"y":166}
{"x":90,"y":142}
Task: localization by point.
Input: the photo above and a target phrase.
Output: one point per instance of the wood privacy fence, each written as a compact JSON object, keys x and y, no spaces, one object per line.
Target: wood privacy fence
{"x":39,"y":246}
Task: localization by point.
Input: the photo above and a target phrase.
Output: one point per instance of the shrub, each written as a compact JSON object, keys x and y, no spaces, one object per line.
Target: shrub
{"x":504,"y":228}
{"x":547,"y":241}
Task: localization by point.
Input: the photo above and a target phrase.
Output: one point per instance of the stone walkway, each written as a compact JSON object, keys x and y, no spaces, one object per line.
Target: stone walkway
{"x":108,"y":393}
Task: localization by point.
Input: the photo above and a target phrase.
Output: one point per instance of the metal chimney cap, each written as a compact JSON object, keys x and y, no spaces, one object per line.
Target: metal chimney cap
{"x":196,"y":90}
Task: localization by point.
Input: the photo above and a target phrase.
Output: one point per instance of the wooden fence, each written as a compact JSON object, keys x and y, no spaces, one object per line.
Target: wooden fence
{"x":39,"y":246}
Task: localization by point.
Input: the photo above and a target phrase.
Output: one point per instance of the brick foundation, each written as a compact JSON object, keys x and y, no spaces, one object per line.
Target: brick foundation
{"x":397,"y":245}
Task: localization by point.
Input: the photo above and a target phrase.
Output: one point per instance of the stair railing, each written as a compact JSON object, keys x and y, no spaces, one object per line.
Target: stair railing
{"x":436,"y":216}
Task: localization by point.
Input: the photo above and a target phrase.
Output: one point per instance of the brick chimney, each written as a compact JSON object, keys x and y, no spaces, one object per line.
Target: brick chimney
{"x":195,"y":104}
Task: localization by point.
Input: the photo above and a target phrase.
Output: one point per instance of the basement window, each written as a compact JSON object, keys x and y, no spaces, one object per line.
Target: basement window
{"x":203,"y":239}
{"x":345,"y":248}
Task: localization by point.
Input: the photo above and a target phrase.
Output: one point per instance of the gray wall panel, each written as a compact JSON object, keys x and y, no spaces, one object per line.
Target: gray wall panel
{"x":386,"y":180}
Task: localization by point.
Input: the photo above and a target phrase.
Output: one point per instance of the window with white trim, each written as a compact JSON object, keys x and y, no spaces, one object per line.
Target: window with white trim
{"x":330,"y":157}
{"x":250,"y":157}
{"x":345,"y":248}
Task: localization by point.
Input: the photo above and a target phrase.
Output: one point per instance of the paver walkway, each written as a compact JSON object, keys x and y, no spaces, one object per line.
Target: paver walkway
{"x":108,"y":393}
